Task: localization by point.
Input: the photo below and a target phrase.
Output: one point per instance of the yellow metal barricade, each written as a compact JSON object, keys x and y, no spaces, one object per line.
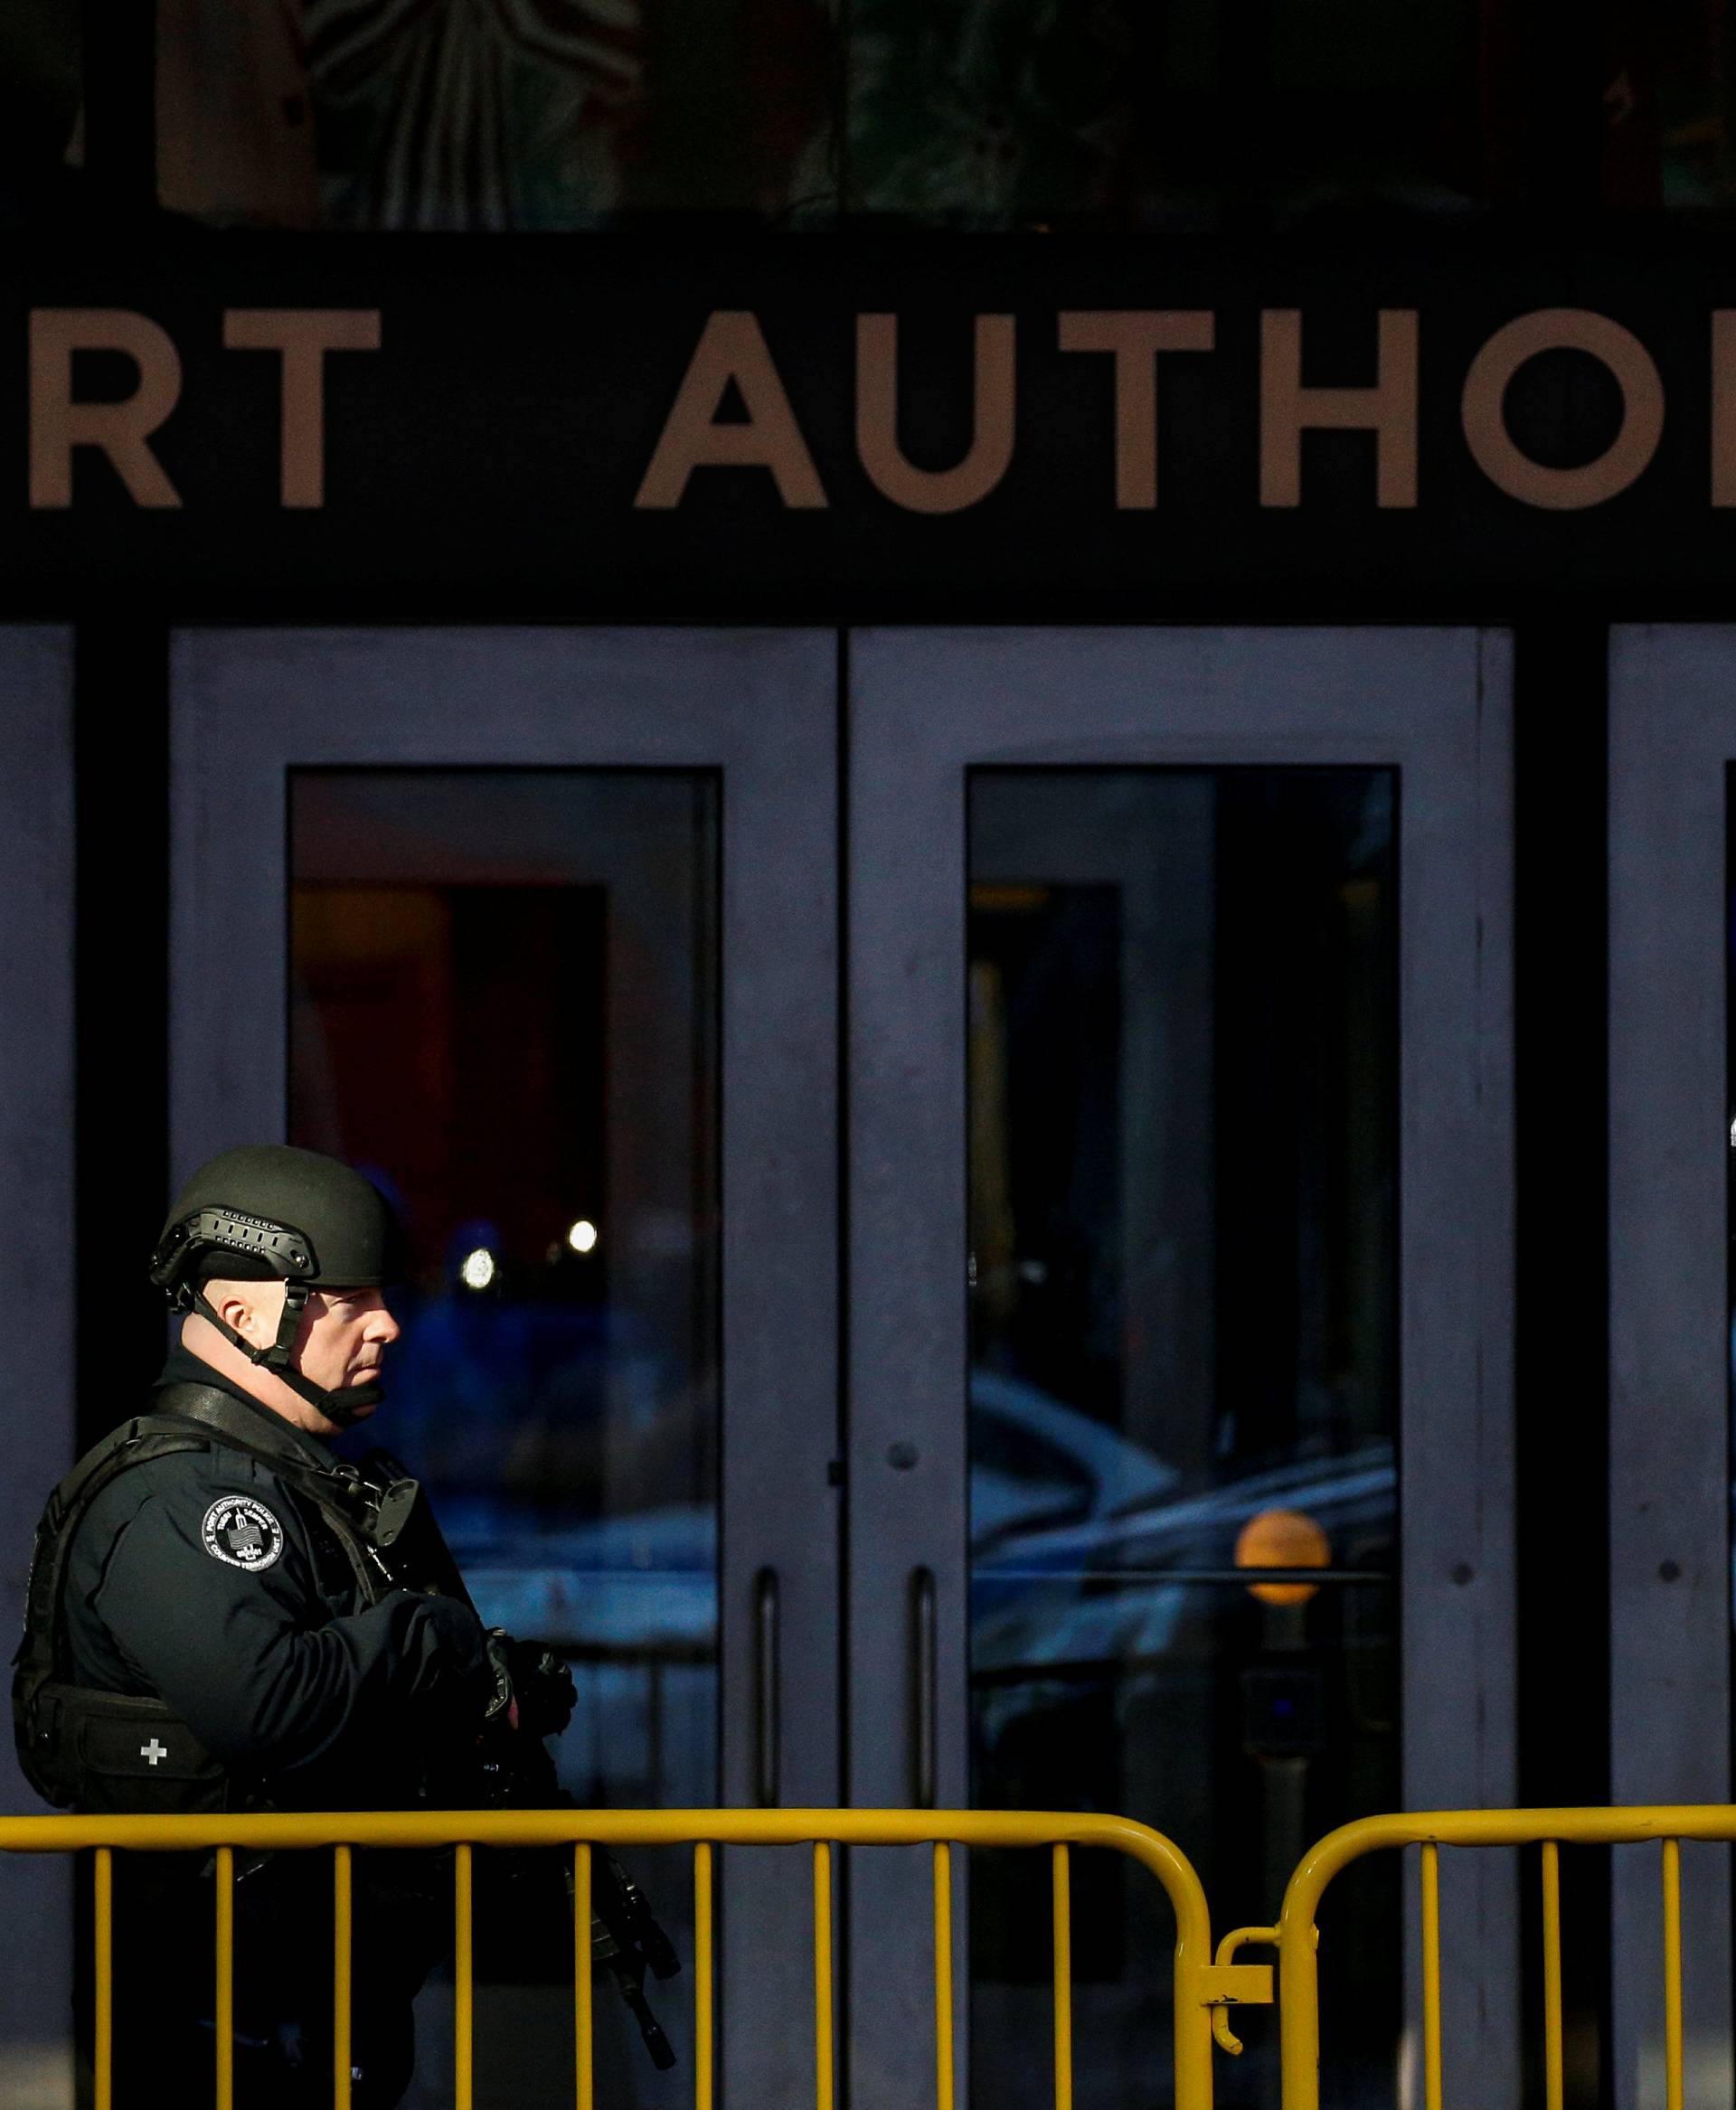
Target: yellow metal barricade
{"x":1296,"y":1934}
{"x":1203,"y":1987}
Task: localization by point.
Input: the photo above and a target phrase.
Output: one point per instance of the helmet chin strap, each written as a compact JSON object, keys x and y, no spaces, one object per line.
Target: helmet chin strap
{"x":341,"y":1407}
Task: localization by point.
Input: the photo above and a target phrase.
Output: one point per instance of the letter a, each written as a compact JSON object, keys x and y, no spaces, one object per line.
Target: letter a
{"x":731,"y":348}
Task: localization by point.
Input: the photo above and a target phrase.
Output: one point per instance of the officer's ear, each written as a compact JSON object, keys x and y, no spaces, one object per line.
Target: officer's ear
{"x":251,"y":1308}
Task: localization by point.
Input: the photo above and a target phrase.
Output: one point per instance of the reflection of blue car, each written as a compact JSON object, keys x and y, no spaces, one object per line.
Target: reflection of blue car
{"x":640,"y":1583}
{"x":1035,"y":1463}
{"x":1081,"y":1545}
{"x":1123,"y":1585}
{"x":647,"y":1578}
{"x":1077,"y":1537}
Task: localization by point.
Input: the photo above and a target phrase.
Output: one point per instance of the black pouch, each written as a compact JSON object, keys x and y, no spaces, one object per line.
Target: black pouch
{"x":129,"y":1755}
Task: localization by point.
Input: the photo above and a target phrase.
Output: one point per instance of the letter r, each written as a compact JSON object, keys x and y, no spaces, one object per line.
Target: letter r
{"x":121,"y":430}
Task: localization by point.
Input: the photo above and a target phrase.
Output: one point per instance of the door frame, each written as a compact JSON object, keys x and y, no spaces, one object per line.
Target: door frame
{"x":1672,"y":744}
{"x":759,"y":707}
{"x":40,"y":1252}
{"x":926,"y":706}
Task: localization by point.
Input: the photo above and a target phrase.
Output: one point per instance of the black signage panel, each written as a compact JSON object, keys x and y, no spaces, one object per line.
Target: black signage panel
{"x":606,"y":427}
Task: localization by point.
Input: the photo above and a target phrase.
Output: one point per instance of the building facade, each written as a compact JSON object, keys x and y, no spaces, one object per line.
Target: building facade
{"x":986,"y":749}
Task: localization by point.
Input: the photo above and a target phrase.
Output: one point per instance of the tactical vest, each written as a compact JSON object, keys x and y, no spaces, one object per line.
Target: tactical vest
{"x":115,"y":1752}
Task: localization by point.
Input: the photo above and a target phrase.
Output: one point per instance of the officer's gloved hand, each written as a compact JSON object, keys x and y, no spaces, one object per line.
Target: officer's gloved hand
{"x":538,"y":1685}
{"x":546,"y":1693}
{"x":502,"y":1703}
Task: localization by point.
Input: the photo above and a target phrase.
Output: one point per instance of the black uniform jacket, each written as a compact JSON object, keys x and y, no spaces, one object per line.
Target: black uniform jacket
{"x":202,"y":1579}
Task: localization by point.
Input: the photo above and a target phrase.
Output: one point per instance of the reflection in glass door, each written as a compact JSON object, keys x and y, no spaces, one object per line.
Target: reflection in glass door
{"x":1183,"y":1600}
{"x":505,"y":1006}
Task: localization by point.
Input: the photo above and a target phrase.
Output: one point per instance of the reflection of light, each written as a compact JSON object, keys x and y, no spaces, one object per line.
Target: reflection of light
{"x":582,"y":1237}
{"x":478,"y":1269}
{"x":1282,"y":1538}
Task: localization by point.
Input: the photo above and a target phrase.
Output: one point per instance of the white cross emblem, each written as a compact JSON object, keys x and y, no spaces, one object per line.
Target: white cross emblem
{"x":153,"y":1751}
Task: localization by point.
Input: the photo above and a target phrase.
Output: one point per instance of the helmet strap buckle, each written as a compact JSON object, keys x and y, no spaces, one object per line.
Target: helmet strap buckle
{"x":276,"y":1357}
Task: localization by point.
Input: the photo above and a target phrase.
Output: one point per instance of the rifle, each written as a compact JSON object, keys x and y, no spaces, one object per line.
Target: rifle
{"x":624,"y":1935}
{"x":513,"y":1769}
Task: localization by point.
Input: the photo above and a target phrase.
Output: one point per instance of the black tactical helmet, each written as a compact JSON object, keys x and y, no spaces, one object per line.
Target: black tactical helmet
{"x":269,"y":1212}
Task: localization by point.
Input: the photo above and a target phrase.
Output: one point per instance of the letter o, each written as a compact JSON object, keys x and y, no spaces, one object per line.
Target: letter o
{"x":1562,"y":329}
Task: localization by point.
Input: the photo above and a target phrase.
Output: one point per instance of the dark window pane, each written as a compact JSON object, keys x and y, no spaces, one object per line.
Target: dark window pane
{"x":41,"y":90}
{"x":1667,"y":106}
{"x":1183,"y":1060}
{"x":526,"y":115}
{"x":1019,"y":113}
{"x":504,"y":1004}
{"x":974,"y":114}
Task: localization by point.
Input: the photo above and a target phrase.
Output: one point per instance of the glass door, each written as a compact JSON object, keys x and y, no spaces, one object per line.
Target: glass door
{"x":538,"y":930}
{"x":1179,"y":1244}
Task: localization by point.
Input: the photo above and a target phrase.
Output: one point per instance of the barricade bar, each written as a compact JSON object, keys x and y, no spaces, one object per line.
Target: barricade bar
{"x":702,"y":2025}
{"x":1063,"y":1909}
{"x":464,"y":2024}
{"x":823,"y":2056}
{"x":584,"y":2048}
{"x":225,"y":2014}
{"x":1431,"y":1976}
{"x":280,"y":1832}
{"x":1673,"y":1974}
{"x":343,"y":1951}
{"x":1614,"y":1825}
{"x":943,"y":2067}
{"x":1552,"y":2063}
{"x":103,"y":2045}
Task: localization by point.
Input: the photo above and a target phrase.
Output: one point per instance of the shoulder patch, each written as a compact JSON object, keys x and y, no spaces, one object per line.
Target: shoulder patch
{"x":243,"y":1533}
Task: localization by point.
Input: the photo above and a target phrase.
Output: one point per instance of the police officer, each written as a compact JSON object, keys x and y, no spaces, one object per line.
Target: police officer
{"x":223,"y":1616}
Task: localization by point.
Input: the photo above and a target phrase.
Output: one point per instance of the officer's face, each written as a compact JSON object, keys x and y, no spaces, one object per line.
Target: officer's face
{"x":343,"y":1338}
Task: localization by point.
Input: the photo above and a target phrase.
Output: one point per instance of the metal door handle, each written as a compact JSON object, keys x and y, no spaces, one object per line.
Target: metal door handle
{"x":765,"y":1725}
{"x":922,"y":1687}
